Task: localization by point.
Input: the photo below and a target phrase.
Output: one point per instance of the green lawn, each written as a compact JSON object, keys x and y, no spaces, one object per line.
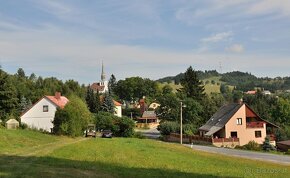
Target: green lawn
{"x":121,"y":157}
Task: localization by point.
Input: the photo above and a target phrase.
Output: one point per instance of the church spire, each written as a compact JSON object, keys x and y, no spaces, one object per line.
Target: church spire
{"x":103,"y":76}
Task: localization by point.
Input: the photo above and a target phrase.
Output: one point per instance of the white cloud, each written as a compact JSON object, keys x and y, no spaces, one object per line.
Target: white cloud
{"x":281,"y":7}
{"x":236,"y":48}
{"x":218,"y":37}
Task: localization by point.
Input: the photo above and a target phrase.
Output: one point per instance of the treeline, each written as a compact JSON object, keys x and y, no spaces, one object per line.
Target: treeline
{"x":201,"y":75}
{"x":18,"y":91}
{"x":243,"y":81}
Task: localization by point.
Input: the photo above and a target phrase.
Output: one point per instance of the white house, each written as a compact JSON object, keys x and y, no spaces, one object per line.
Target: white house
{"x":41,"y":114}
{"x":118,"y":109}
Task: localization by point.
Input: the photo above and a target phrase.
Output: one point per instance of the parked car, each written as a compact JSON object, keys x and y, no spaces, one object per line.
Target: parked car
{"x":107,"y":134}
{"x":91,"y":130}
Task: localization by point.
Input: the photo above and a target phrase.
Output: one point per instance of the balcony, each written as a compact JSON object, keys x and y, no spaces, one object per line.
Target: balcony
{"x":255,"y":124}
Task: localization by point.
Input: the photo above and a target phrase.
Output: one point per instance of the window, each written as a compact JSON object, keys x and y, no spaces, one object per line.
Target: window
{"x":239,"y":121}
{"x":234,"y":134}
{"x":45,"y":108}
{"x":258,"y":134}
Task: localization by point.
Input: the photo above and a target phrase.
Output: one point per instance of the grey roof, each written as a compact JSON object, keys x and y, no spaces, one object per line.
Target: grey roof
{"x":150,"y":114}
{"x":220,"y":118}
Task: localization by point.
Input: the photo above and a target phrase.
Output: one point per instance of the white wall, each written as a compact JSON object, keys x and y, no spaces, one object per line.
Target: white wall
{"x":118,"y":111}
{"x":36,"y":118}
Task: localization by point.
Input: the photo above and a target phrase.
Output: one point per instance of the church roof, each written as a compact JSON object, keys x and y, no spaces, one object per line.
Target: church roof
{"x":97,"y":87}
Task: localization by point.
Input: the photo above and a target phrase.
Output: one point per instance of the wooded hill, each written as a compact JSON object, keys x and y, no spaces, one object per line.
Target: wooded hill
{"x":243,"y":81}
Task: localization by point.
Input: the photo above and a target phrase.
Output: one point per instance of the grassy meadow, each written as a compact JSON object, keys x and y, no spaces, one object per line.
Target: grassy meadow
{"x":49,"y":156}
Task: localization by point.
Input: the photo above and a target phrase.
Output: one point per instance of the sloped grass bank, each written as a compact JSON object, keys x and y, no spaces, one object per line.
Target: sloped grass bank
{"x":32,"y":154}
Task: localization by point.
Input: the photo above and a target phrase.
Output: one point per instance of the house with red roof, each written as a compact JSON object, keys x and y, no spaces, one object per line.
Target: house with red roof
{"x":118,"y":108}
{"x":41,"y":114}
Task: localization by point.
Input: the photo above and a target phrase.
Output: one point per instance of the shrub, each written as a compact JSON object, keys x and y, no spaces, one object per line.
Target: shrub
{"x":73,"y":119}
{"x":139,"y":135}
{"x":267,"y":146}
{"x":23,"y":126}
{"x":252,"y":145}
{"x":120,"y":126}
{"x":167,"y":127}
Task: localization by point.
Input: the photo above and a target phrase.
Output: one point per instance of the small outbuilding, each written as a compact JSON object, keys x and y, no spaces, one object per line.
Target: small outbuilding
{"x":283,"y":145}
{"x":12,"y":124}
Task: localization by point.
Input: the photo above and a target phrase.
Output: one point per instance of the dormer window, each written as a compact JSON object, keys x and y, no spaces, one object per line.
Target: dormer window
{"x":45,"y":108}
{"x":239,"y":121}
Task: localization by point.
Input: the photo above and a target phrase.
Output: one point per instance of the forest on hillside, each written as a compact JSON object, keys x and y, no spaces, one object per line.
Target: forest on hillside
{"x":243,"y":81}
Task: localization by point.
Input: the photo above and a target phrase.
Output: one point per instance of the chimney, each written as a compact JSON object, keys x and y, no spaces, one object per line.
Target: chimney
{"x":57,"y":95}
{"x":240,"y":101}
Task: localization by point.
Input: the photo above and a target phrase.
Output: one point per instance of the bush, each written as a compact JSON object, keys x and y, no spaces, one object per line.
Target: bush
{"x":267,"y":146}
{"x":139,"y":135}
{"x":73,"y":119}
{"x":167,"y":127}
{"x":252,"y":145}
{"x":23,"y":126}
{"x":120,"y":126}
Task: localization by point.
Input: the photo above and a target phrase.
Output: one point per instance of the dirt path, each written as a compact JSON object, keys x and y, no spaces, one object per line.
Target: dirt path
{"x":45,"y":149}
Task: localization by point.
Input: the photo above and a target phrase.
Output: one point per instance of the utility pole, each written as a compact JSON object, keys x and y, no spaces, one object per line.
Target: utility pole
{"x":181,"y":122}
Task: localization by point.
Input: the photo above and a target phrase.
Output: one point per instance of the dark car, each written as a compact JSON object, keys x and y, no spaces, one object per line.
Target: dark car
{"x":107,"y":134}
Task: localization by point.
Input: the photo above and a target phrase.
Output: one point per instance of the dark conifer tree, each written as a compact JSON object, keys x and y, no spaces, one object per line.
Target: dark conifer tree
{"x":191,"y":86}
{"x":108,"y":104}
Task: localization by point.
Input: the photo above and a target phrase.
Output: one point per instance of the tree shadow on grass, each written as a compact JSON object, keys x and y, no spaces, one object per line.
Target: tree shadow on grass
{"x":31,"y":166}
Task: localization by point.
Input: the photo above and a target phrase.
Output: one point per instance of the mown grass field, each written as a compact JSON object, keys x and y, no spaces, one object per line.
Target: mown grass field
{"x":50,"y":156}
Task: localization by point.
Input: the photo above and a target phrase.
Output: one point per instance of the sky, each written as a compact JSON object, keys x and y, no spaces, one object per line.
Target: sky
{"x":69,"y":39}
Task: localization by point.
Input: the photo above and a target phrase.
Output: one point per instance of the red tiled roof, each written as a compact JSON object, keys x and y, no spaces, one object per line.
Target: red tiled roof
{"x":58,"y":102}
{"x":61,"y":102}
{"x":116,"y":103}
{"x":97,"y":87}
{"x":252,"y":92}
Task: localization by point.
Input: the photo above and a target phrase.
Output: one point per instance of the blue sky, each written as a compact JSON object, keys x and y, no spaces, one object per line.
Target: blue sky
{"x":68,"y":39}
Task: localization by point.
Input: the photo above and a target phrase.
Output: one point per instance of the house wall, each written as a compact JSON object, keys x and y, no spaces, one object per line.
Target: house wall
{"x":118,"y":111}
{"x":105,"y":84}
{"x":36,"y":118}
{"x":244,"y":134}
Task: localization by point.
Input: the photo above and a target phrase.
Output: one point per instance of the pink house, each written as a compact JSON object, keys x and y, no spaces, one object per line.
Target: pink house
{"x":237,"y":124}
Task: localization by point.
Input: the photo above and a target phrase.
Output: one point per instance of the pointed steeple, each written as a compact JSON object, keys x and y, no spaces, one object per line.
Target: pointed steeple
{"x":103,"y":76}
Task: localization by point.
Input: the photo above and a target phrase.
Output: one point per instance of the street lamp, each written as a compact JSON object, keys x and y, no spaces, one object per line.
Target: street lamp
{"x":181,"y":106}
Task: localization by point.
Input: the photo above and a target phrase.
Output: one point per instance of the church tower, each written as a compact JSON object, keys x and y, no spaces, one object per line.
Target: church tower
{"x":103,"y":76}
{"x":103,"y":83}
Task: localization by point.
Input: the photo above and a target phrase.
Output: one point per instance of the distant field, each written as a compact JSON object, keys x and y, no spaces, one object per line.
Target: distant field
{"x":209,"y":87}
{"x":119,"y":157}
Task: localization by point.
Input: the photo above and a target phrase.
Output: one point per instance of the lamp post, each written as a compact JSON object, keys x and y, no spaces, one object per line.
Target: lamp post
{"x":181,"y":134}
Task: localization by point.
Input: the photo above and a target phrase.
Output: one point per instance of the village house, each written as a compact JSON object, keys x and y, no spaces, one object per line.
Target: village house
{"x":148,"y":119}
{"x":237,"y":124}
{"x":118,"y":108}
{"x":41,"y":114}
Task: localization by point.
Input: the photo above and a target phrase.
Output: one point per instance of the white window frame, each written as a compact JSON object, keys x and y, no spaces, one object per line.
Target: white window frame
{"x":239,"y":121}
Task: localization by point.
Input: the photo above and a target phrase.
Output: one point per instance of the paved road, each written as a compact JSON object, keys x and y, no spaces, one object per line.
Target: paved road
{"x":281,"y":159}
{"x":152,"y":133}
